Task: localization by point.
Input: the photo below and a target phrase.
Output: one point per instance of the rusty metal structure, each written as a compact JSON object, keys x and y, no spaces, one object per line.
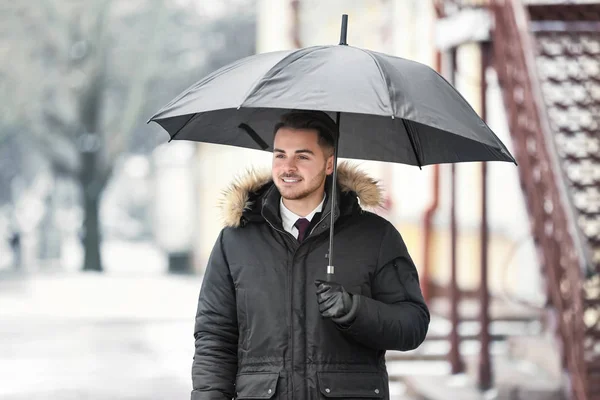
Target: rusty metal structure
{"x":547,"y":57}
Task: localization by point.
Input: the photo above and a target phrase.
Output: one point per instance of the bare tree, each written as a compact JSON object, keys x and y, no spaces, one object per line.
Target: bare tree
{"x":87,"y":74}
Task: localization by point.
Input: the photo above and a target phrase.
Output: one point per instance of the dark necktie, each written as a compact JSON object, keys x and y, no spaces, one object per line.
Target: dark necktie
{"x":302,"y":226}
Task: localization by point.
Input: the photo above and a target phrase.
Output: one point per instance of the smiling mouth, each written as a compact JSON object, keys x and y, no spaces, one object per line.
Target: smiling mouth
{"x":291,"y":180}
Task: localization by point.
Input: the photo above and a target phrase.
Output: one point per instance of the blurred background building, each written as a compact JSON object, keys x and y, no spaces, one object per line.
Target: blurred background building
{"x":508,"y":256}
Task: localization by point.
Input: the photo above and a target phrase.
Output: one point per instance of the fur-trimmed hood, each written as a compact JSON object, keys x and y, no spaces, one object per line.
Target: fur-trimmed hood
{"x":236,"y":198}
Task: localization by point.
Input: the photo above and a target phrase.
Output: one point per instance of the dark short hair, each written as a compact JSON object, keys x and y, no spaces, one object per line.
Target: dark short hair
{"x":317,"y":120}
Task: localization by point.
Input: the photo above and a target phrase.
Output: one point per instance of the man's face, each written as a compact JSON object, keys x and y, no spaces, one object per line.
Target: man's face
{"x":299,"y":164}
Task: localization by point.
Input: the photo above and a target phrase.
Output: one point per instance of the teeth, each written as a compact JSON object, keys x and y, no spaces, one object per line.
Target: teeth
{"x":290,"y":180}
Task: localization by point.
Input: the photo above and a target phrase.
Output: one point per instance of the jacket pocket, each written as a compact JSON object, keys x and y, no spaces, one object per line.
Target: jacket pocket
{"x":351,"y":385}
{"x":256,"y":385}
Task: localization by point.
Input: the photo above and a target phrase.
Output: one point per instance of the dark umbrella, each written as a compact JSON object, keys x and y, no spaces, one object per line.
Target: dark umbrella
{"x":394,"y":109}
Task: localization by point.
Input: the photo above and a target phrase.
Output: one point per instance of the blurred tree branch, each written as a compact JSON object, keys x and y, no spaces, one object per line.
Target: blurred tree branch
{"x":139,"y":86}
{"x":82,"y":78}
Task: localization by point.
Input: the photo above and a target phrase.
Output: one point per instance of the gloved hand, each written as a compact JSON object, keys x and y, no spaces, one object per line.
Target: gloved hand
{"x":334,"y":301}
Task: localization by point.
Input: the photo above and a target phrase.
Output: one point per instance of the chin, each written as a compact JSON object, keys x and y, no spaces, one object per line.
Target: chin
{"x":288,"y":195}
{"x":291,"y":194}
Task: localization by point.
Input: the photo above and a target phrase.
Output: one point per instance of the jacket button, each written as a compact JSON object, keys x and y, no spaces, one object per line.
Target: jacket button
{"x":327,"y":390}
{"x":377,"y":391}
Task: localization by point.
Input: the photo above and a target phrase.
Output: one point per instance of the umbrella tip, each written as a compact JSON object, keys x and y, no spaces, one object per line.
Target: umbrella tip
{"x":344,"y":31}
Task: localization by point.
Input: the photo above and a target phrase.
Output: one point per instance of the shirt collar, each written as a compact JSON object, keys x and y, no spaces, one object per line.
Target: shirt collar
{"x":288,"y":218}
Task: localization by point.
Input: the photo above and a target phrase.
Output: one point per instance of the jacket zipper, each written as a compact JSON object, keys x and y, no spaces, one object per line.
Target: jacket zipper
{"x":323,"y":218}
{"x":292,"y":292}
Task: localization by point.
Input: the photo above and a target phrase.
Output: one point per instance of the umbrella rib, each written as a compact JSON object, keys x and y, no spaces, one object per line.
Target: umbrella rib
{"x":183,"y":126}
{"x":203,"y":81}
{"x":252,"y":133}
{"x":410,"y":130}
{"x":257,"y":86}
{"x":383,"y":77}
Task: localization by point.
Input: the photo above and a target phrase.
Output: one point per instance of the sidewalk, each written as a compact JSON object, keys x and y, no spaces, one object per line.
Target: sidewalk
{"x":96,"y":336}
{"x":513,"y":380}
{"x":75,"y":336}
{"x":98,"y":296}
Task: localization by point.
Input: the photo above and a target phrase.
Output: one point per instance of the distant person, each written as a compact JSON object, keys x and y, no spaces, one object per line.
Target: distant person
{"x":15,"y":245}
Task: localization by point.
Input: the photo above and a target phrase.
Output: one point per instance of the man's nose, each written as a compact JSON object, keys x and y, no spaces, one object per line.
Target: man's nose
{"x":290,"y":164}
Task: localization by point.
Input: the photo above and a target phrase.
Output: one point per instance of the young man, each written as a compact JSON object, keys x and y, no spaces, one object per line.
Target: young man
{"x":268,"y":325}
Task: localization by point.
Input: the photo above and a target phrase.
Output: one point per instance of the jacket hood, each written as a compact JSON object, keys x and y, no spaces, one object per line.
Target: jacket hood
{"x":237,"y":198}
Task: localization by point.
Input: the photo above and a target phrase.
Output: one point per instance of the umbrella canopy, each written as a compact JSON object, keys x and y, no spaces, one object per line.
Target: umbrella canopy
{"x":393,"y":109}
{"x":386,"y":108}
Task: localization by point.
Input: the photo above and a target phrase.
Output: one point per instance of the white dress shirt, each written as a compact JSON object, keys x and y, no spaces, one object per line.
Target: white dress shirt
{"x":288,"y":218}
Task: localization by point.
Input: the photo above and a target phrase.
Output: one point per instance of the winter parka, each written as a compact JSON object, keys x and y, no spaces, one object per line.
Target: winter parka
{"x":258,"y":330}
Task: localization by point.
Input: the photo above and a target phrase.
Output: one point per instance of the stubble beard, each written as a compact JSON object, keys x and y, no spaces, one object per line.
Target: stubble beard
{"x":299,"y":194}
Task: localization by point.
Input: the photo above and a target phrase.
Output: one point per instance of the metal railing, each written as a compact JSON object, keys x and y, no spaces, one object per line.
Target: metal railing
{"x":540,"y":139}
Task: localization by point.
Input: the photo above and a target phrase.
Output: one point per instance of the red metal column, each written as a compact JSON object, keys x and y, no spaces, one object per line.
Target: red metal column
{"x":427,"y":234}
{"x":434,"y":205}
{"x":455,"y":359}
{"x":485,"y":369}
{"x":295,"y":31}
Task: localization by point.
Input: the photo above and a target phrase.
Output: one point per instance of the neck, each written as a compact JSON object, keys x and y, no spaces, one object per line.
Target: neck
{"x":303,"y":207}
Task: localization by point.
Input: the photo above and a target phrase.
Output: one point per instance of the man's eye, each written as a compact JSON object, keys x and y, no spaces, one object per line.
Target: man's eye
{"x":279,"y":156}
{"x":303,"y":157}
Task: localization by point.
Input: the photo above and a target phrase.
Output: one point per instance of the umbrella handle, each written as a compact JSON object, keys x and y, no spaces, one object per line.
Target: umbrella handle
{"x":329,"y":276}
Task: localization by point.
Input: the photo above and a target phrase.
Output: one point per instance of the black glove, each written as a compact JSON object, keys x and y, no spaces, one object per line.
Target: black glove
{"x":334,"y":301}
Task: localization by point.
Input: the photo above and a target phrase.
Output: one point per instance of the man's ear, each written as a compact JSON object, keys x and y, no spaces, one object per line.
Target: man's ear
{"x":329,"y":165}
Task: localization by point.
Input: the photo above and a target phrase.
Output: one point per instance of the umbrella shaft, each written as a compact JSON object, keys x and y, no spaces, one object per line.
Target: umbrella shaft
{"x":330,"y":269}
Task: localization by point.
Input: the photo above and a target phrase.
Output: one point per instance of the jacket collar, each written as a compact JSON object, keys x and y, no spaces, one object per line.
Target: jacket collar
{"x":289,"y":218}
{"x":253,"y":196}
